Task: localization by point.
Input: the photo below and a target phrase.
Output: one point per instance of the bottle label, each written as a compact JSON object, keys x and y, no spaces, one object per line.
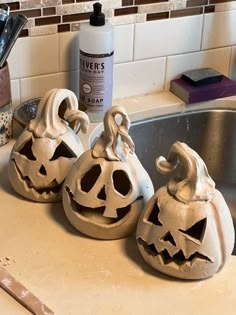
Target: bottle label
{"x":96,"y":80}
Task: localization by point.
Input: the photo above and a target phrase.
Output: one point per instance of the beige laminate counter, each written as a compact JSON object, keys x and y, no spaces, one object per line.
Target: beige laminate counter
{"x":76,"y":275}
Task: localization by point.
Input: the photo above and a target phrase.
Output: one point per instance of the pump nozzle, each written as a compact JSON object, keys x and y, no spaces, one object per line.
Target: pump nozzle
{"x":97,"y":18}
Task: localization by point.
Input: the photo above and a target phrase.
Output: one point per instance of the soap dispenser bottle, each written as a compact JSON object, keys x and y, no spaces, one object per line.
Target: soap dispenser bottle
{"x":96,"y":65}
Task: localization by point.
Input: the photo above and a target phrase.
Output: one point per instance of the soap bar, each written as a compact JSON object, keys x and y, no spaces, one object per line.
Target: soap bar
{"x":194,"y":94}
{"x":203,"y":76}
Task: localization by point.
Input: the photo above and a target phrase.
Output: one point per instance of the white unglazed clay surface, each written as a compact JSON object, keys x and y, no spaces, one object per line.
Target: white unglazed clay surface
{"x":189,"y":201}
{"x":73,"y":274}
{"x":34,"y":172}
{"x":112,"y":153}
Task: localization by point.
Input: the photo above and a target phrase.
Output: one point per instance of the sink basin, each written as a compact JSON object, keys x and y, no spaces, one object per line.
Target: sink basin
{"x":211,"y":133}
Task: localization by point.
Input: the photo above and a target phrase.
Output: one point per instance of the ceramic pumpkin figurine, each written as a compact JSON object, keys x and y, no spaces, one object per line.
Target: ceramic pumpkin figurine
{"x":48,"y":147}
{"x":107,"y":187}
{"x":186,"y":229}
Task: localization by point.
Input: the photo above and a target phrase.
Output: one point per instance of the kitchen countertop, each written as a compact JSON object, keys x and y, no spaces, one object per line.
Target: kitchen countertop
{"x":73,"y":274}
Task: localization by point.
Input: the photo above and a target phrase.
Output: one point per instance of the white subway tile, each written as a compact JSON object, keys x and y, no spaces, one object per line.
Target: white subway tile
{"x":232,"y":69}
{"x":219,"y":29}
{"x":33,"y":56}
{"x":69,"y":51}
{"x":217,"y":59}
{"x":167,"y":37}
{"x":72,"y":82}
{"x":38,"y":86}
{"x":15,"y":92}
{"x":124,"y":41}
{"x":14,"y":59}
{"x":140,"y":77}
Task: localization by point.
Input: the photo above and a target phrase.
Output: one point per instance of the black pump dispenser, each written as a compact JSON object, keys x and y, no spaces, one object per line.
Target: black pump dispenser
{"x":97,"y":18}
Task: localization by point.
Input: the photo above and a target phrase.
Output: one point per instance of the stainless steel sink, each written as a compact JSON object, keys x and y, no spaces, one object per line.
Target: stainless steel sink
{"x":211,"y":133}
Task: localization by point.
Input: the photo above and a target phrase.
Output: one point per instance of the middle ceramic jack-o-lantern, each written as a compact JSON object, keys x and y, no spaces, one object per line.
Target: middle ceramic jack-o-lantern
{"x":48,"y":147}
{"x":107,"y":187}
{"x":186,"y":229}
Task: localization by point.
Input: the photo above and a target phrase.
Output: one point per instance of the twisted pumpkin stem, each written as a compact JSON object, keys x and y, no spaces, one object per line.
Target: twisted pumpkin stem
{"x":192,"y":181}
{"x":114,"y":144}
{"x":48,"y":122}
{"x":77,"y":120}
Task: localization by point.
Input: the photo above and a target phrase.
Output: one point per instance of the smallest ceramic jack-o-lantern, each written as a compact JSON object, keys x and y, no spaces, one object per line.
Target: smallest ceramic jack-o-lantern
{"x":48,"y":147}
{"x":186,"y":229}
{"x":107,"y":187}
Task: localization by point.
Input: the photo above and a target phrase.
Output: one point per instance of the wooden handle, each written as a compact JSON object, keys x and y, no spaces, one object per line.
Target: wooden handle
{"x":22,"y":294}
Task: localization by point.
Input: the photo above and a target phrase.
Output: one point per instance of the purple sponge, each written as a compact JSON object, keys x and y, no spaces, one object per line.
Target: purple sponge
{"x":194,"y":94}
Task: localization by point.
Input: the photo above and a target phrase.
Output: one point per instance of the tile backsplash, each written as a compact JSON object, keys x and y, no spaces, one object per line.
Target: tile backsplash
{"x":155,"y":41}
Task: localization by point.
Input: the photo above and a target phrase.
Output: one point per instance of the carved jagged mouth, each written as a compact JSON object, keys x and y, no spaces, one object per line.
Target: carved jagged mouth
{"x":50,"y":191}
{"x":177,"y":260}
{"x":96,"y":214}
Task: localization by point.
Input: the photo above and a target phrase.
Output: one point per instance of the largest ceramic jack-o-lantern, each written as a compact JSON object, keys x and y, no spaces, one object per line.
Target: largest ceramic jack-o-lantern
{"x":186,"y":229}
{"x":107,"y":187}
{"x":48,"y":147}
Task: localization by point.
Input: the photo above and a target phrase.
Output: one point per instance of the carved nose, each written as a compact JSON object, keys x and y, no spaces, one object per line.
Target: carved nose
{"x":42,"y":170}
{"x":102,"y":194}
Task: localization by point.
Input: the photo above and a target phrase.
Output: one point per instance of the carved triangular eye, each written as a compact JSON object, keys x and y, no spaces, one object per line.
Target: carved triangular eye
{"x":169,"y":238}
{"x":197,"y":230}
{"x":26,"y":150}
{"x":90,"y":178}
{"x":63,"y":151}
{"x":121,"y":182}
{"x":153,"y":217}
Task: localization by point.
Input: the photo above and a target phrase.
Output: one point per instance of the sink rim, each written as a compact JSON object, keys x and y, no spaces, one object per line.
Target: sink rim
{"x":185,"y":113}
{"x":224,"y":104}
